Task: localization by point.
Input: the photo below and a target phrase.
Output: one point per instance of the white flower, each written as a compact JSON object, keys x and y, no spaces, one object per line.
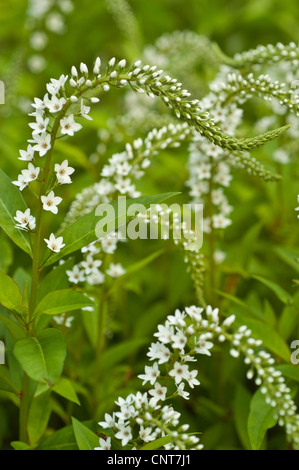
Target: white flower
{"x":55,"y":104}
{"x":124,"y":434}
{"x":213,"y":313}
{"x":151,"y":374}
{"x":165,"y":333}
{"x":55,"y":85}
{"x":63,"y":172}
{"x":124,"y":185}
{"x":192,"y":381}
{"x":69,"y":126}
{"x":91,"y":265}
{"x":104,"y":444}
{"x":40,"y":104}
{"x":179,"y":340}
{"x":51,"y":202}
{"x":62,"y":320}
{"x":75,"y":275}
{"x":220,"y":221}
{"x":194,"y":312}
{"x":203,"y":346}
{"x":109,"y":421}
{"x":179,"y":372}
{"x":31,"y":174}
{"x":146,"y":434}
{"x":27,"y":155}
{"x":40,"y":125}
{"x":25,"y":220}
{"x":115,"y":270}
{"x":43,"y":143}
{"x":181,"y":392}
{"x":84,"y":111}
{"x":55,"y":244}
{"x":159,"y":351}
{"x":21,"y":182}
{"x":109,"y":245}
{"x":97,"y":277}
{"x":158,"y":393}
{"x":177,"y":319}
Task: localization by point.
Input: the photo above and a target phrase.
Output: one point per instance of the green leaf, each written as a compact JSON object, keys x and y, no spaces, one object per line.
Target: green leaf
{"x":55,"y":279}
{"x":18,"y":445}
{"x":6,"y":251}
{"x":83,"y":231}
{"x":63,"y":439}
{"x":13,"y":327}
{"x":260,"y":330}
{"x":73,"y":153}
{"x":117,"y":353}
{"x":270,"y":338}
{"x":11,"y":200}
{"x":85,"y":438}
{"x":5,"y":381}
{"x":283,"y":295}
{"x":289,"y":257}
{"x":154,"y":445}
{"x":260,"y":420}
{"x":289,"y":370}
{"x":10,"y":294}
{"x":62,"y":301}
{"x":65,"y":389}
{"x":42,"y":357}
{"x":38,"y":418}
{"x":241,"y":412}
{"x":134,"y":268}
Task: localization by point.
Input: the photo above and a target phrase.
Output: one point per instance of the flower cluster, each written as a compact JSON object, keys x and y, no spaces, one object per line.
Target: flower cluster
{"x":124,"y":169}
{"x":144,"y":416}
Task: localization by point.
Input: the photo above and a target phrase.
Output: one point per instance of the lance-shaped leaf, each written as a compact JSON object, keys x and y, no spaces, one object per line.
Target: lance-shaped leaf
{"x":86,"y":439}
{"x":11,"y":200}
{"x":42,"y":357}
{"x":260,"y":419}
{"x":83,"y":231}
{"x":62,"y":301}
{"x":10,"y":294}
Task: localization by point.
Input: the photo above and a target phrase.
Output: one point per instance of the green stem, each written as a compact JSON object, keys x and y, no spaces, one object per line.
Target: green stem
{"x":24,"y":409}
{"x":210,"y":209}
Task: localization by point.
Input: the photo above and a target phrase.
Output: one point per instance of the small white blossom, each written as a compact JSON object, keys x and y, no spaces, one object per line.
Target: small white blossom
{"x":115,"y":270}
{"x":55,"y":244}
{"x":69,"y":126}
{"x":31,"y":173}
{"x":27,"y":155}
{"x":40,"y":125}
{"x":43,"y":143}
{"x":105,"y":444}
{"x":63,"y":172}
{"x":151,"y":374}
{"x":51,"y":202}
{"x":124,"y":434}
{"x":91,"y":265}
{"x":25,"y":220}
{"x":76,"y":275}
{"x":84,"y":111}
{"x":179,"y":372}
